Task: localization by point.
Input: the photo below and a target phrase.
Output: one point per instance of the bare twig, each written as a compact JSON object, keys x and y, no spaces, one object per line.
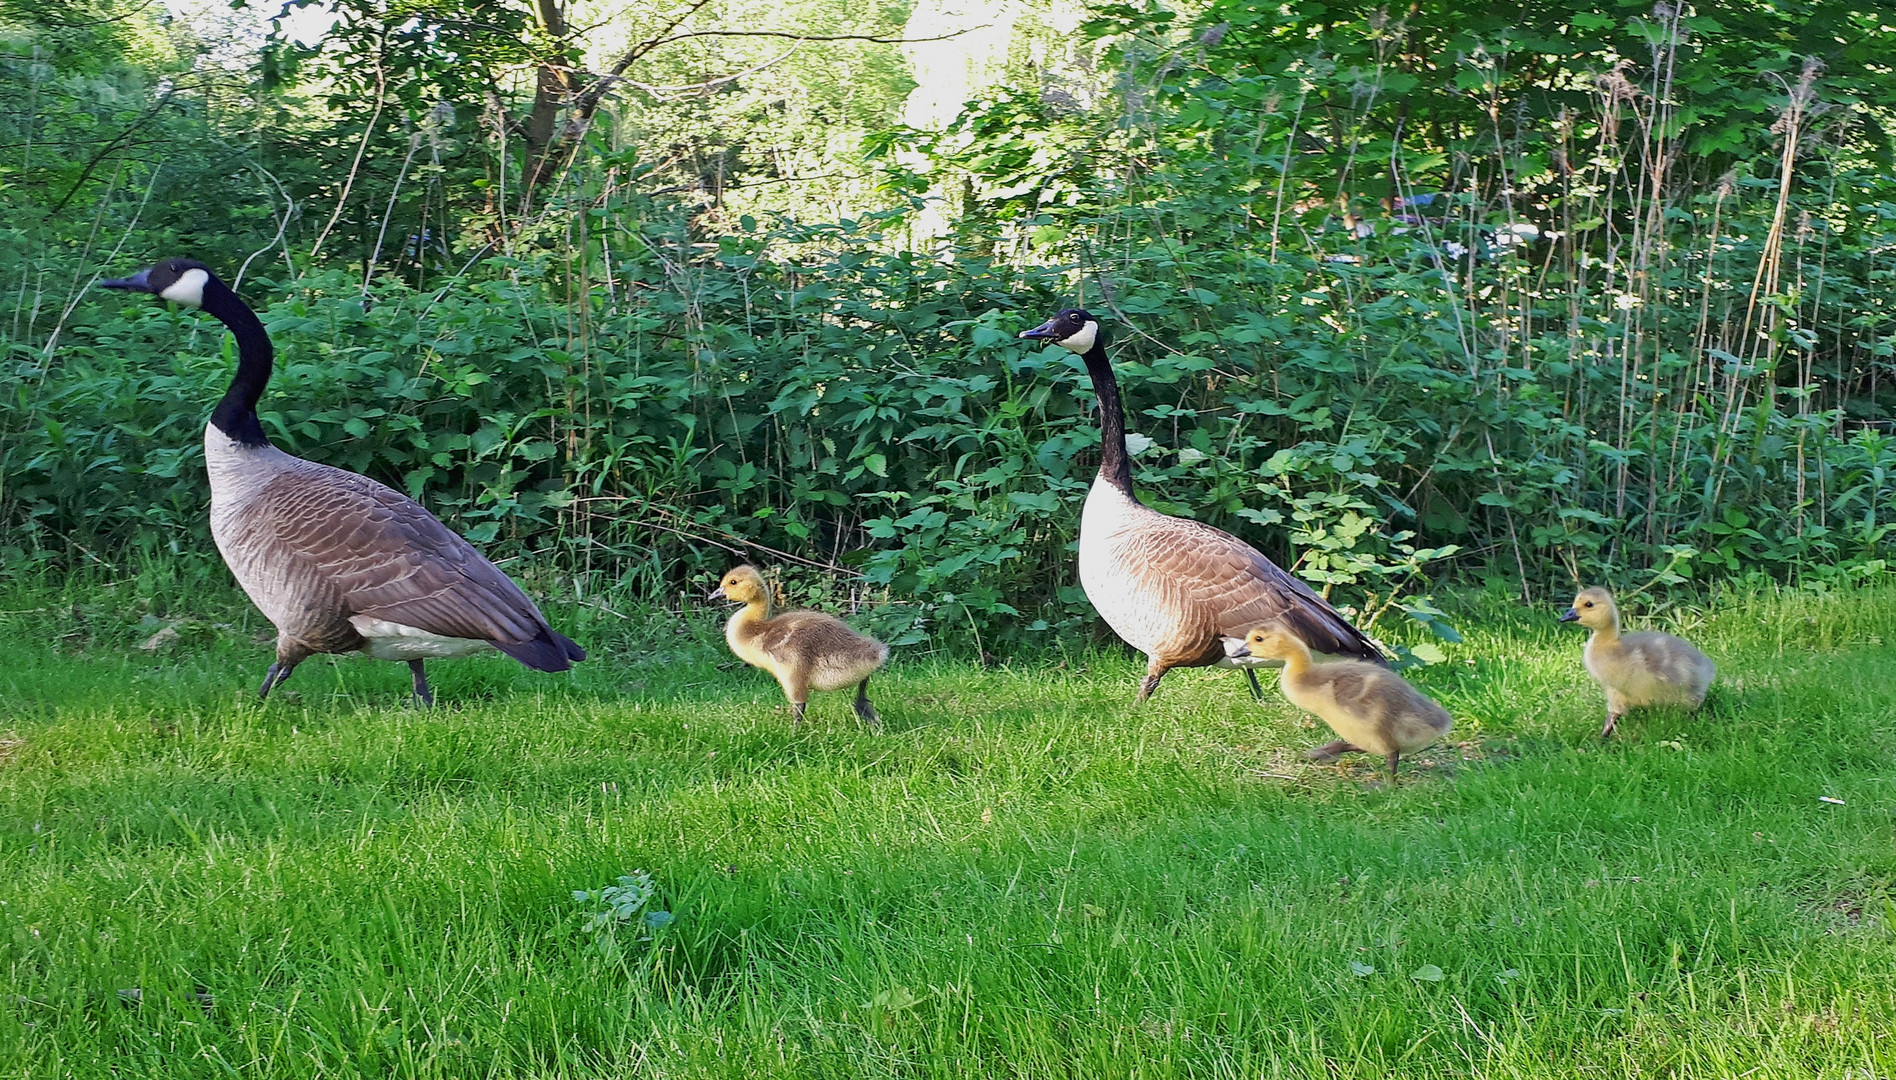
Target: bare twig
{"x":368,"y":132}
{"x":107,"y":150}
{"x":368,"y":274}
{"x":283,"y":225}
{"x":734,"y":538}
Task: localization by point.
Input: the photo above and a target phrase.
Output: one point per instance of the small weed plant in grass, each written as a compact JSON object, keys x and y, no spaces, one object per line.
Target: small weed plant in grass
{"x":620,"y":909}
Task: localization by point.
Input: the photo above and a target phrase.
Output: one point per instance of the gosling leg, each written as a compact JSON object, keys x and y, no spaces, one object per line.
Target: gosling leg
{"x":1616,"y":706}
{"x":796,"y":687}
{"x":865,"y":711}
{"x":1330,"y":751}
{"x":423,"y":695}
{"x":1393,"y":758}
{"x":1257,"y":692}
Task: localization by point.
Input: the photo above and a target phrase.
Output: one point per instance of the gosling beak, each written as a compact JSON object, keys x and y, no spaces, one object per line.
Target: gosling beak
{"x":1239,"y":652}
{"x":136,"y":283}
{"x":1046,"y":331}
{"x":717,"y":594}
{"x":1570,"y":615}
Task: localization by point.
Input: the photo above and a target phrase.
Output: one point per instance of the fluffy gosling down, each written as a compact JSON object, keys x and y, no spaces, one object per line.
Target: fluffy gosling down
{"x":1371,"y":707}
{"x":1642,"y":668}
{"x":805,"y":650}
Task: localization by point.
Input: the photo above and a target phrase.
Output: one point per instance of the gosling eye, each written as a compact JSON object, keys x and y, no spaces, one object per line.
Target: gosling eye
{"x":1589,"y":603}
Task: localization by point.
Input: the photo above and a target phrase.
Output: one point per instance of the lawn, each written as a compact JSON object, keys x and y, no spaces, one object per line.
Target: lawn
{"x":1021,"y":875}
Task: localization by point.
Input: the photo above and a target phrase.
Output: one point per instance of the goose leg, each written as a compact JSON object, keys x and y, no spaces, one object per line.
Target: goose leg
{"x":423,"y":695}
{"x":865,"y":711}
{"x":1155,"y":670}
{"x":275,"y":676}
{"x":1257,"y":692}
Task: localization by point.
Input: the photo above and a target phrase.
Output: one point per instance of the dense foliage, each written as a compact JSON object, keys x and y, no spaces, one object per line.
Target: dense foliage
{"x":1520,"y":294}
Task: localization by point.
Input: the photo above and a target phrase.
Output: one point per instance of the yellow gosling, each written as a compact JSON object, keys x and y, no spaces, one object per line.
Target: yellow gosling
{"x":1642,"y":668}
{"x":1371,"y":707}
{"x":805,"y":650}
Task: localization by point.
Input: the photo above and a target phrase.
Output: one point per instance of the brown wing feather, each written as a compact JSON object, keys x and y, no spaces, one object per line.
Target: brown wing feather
{"x":388,"y":558}
{"x":1233,"y":588}
{"x":805,"y":634}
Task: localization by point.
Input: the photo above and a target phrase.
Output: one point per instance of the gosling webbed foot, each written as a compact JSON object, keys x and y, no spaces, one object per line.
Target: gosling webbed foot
{"x":1612,"y":725}
{"x":864,"y":710}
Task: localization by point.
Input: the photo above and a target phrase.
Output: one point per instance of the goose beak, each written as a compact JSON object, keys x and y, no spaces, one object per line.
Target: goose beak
{"x":1046,"y":331}
{"x":136,"y":283}
{"x":1570,"y":615}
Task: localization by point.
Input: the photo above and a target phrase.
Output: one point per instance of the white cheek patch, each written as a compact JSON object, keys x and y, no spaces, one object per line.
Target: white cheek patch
{"x":1081,"y":341}
{"x":188,"y":289}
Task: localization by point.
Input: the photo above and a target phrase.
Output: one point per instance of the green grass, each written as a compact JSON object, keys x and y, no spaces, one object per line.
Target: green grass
{"x":1019,"y":876}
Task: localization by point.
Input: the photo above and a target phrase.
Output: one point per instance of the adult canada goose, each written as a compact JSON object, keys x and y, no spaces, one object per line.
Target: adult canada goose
{"x":1642,"y":668}
{"x":1173,"y":588}
{"x":1371,"y":707}
{"x":805,"y":650}
{"x":338,"y":562}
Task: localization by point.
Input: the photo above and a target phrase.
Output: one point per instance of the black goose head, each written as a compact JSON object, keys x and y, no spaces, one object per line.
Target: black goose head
{"x":180,"y":281}
{"x":1073,"y":329}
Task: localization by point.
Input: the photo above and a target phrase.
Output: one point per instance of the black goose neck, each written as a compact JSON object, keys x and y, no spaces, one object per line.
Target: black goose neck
{"x":1115,"y":466}
{"x":236,"y":413}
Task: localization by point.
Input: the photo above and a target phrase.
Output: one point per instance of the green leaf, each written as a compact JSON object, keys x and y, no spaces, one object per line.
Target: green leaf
{"x":894,"y":999}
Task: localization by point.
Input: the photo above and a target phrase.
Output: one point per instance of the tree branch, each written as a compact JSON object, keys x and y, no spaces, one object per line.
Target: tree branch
{"x":106,"y":150}
{"x":598,"y":90}
{"x":878,"y":39}
{"x":712,"y":84}
{"x":589,"y":100}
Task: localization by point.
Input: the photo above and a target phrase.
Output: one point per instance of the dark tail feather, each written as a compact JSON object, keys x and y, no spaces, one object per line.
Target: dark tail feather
{"x":551,"y":651}
{"x":1333,"y":635}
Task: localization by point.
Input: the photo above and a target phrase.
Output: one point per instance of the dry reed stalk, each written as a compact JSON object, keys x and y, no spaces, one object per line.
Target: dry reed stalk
{"x":1756,"y":336}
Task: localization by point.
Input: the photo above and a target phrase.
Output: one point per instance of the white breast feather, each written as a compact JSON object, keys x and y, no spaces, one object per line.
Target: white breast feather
{"x":237,"y":474}
{"x":1139,"y":618}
